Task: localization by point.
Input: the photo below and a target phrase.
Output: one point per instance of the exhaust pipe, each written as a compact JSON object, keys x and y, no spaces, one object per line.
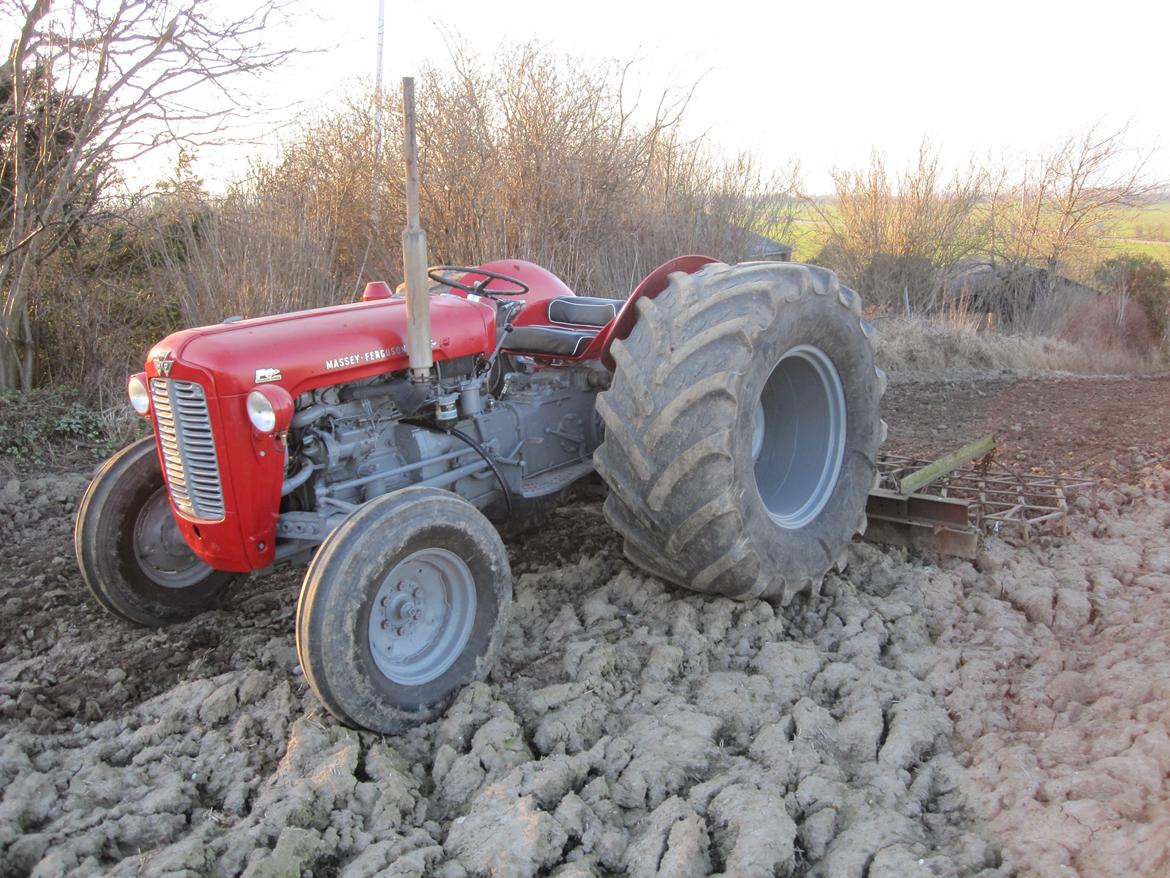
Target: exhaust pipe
{"x":414,"y":254}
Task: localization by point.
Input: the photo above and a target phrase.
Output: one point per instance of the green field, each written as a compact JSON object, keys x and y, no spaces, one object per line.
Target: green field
{"x":1159,"y":250}
{"x":1144,"y":230}
{"x":1150,"y":222}
{"x":802,"y":228}
{"x":1141,"y":230}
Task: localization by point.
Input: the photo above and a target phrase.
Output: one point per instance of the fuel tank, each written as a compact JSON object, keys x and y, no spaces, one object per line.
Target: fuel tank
{"x":307,"y":349}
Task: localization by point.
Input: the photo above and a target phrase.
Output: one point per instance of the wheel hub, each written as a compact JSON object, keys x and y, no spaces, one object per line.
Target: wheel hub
{"x":402,"y":609}
{"x":422,"y":616}
{"x":798,"y":436}
{"x":160,"y":549}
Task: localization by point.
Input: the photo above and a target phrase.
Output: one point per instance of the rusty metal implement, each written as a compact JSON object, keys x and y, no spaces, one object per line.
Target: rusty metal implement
{"x":945,"y":506}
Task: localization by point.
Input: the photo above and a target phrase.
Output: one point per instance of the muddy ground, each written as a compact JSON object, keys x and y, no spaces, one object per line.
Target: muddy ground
{"x":913,"y":718}
{"x":1109,"y":427}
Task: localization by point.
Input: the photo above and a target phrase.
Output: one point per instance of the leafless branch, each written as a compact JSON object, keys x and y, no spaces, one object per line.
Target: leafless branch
{"x":90,"y":86}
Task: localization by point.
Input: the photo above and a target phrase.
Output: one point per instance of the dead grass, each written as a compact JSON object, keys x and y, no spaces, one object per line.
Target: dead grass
{"x":928,"y":347}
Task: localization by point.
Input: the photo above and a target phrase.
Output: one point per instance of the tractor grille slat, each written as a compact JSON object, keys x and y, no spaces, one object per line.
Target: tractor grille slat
{"x":188,"y":448}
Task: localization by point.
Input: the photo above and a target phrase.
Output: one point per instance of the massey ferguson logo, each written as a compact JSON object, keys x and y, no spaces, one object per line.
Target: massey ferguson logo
{"x":263,"y":376}
{"x":162,"y":364}
{"x":376,"y":355}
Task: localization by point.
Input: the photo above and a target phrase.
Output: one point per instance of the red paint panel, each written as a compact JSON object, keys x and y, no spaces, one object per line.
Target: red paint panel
{"x":251,"y":483}
{"x":328,"y":345}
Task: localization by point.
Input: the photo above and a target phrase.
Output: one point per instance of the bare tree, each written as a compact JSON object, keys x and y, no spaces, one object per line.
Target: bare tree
{"x":895,"y":235}
{"x":1065,"y":202}
{"x":86,"y":88}
{"x":545,"y":158}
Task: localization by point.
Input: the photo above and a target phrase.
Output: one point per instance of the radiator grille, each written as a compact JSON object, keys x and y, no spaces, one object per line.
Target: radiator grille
{"x":188,"y":448}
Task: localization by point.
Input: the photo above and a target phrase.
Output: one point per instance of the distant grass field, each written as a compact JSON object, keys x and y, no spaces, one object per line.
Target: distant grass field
{"x":1150,"y":222}
{"x":1156,"y":249}
{"x":803,"y":228}
{"x":1143,"y":230}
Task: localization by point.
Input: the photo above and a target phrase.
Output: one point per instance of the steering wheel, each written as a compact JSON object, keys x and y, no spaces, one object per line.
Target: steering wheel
{"x":438,"y":275}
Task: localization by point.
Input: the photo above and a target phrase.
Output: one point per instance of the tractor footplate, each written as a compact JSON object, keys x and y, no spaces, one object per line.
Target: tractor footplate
{"x":554,"y":480}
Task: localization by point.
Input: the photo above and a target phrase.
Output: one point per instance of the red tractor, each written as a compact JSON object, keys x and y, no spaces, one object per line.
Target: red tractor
{"x":733,"y":412}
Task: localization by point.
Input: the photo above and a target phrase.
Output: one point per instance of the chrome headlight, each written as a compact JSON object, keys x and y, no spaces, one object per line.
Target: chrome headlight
{"x":270,"y":409}
{"x":261,"y":412}
{"x":139,"y":395}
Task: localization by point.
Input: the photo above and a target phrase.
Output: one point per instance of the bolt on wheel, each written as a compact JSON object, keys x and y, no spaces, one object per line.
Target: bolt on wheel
{"x":422,"y":616}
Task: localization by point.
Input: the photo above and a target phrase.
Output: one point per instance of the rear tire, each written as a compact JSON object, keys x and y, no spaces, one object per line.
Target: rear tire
{"x":404,"y":604}
{"x":129,"y":549}
{"x":742,"y":429}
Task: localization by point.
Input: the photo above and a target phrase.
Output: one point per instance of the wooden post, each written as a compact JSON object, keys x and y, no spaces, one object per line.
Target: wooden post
{"x":944,"y":465}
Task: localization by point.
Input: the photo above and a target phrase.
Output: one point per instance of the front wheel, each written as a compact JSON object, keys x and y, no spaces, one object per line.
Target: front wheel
{"x":129,"y":548}
{"x":404,"y":604}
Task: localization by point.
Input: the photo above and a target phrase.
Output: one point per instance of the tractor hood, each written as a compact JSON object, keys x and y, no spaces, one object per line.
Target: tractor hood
{"x":308,"y":349}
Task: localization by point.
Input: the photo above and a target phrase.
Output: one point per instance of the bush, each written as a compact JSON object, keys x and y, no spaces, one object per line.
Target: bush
{"x":97,"y":311}
{"x":540,"y":159}
{"x":58,"y":425}
{"x":894,"y":236}
{"x":1145,"y":279}
{"x":1109,"y":324}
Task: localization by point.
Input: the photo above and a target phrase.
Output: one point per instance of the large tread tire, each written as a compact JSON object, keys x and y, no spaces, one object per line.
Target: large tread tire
{"x":104,"y":542}
{"x":340,"y":593}
{"x":679,"y":419}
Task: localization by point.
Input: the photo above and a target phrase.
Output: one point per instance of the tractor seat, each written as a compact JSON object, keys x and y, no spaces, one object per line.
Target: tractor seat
{"x":583,"y":310}
{"x":549,"y":341}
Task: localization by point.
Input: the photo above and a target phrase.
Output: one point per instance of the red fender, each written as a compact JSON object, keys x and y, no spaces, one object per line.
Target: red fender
{"x":653,"y":284}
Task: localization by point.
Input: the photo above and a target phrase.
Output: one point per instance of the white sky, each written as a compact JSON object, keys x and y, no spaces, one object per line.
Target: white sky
{"x":819,"y":82}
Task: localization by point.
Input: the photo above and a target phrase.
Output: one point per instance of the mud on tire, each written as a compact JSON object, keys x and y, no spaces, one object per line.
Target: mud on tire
{"x":742,"y":429}
{"x":404,"y":604}
{"x":129,"y":550}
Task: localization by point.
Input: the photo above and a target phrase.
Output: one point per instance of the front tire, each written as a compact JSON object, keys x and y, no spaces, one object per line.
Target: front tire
{"x":129,"y":549}
{"x":742,"y":429}
{"x":404,"y":604}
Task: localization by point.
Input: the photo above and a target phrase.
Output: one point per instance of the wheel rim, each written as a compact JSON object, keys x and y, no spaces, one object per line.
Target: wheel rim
{"x":422,"y":616}
{"x":798,"y":436}
{"x":163,"y":555}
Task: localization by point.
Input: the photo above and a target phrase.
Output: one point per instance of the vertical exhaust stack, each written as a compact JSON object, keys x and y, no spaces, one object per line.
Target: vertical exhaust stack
{"x":414,"y":253}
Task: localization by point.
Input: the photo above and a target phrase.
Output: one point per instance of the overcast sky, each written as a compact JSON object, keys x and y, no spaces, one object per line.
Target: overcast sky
{"x":820,"y":82}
